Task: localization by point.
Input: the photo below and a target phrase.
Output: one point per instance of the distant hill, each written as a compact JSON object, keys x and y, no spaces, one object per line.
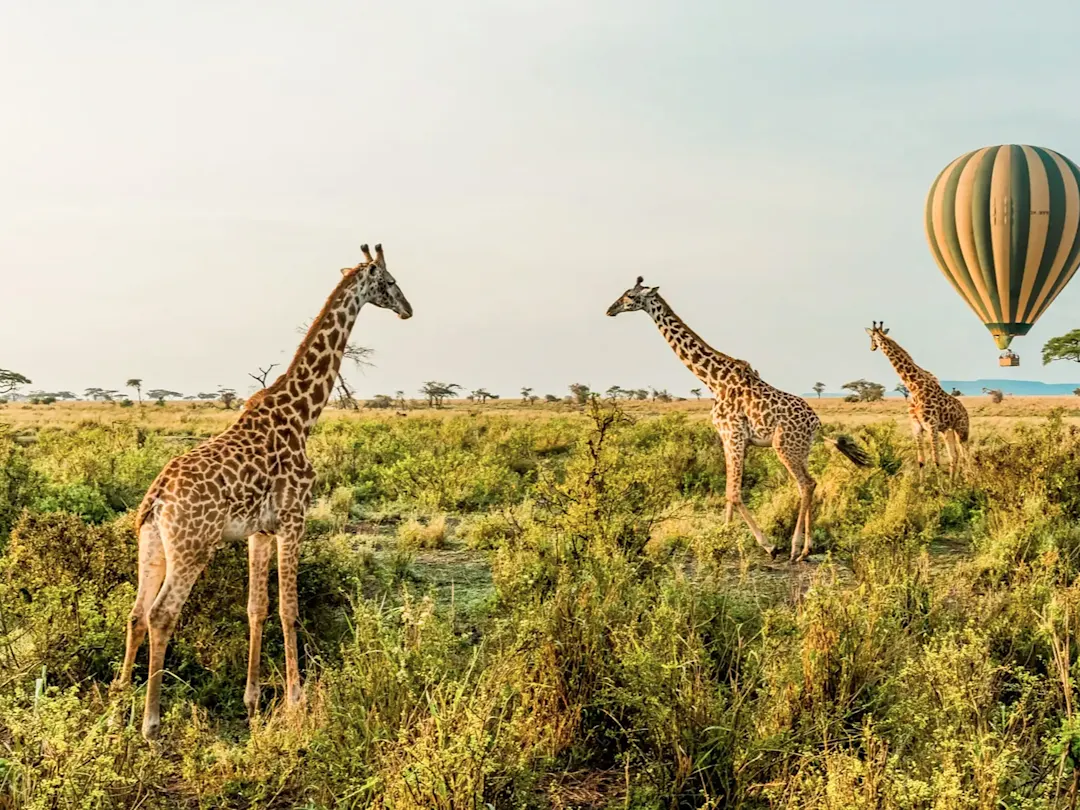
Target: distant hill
{"x":1020,"y":388}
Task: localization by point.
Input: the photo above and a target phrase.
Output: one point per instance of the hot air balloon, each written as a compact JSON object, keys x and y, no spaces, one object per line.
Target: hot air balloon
{"x":1003,"y":223}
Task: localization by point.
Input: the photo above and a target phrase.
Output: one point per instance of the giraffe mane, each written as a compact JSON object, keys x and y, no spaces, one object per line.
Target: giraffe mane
{"x":742,"y":363}
{"x":347,"y":279}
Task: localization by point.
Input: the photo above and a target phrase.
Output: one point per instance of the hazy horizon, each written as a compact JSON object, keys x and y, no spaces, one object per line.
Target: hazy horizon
{"x":183,"y":184}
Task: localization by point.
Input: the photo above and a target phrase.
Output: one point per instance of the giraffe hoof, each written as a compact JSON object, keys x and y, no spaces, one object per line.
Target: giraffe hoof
{"x":151,"y":729}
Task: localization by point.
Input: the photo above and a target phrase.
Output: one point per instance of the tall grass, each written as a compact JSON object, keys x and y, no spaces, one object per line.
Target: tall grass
{"x":624,"y":649}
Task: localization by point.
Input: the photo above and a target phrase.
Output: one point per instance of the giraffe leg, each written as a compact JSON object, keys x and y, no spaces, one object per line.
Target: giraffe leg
{"x":951,"y":452}
{"x":796,"y":536}
{"x":735,"y":456}
{"x":260,"y":547}
{"x":179,"y":579}
{"x":794,"y":459}
{"x":933,"y":439}
{"x":917,"y":434}
{"x":288,"y":540}
{"x":151,"y":575}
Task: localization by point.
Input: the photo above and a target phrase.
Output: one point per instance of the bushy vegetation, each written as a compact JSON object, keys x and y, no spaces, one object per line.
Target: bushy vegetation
{"x":550,"y":612}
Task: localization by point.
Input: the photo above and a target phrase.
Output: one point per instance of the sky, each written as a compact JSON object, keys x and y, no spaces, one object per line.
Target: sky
{"x":181,"y":183}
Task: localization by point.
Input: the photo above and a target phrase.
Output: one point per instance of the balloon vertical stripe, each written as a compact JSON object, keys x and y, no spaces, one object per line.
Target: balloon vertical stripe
{"x":1003,"y":225}
{"x":1019,"y":227}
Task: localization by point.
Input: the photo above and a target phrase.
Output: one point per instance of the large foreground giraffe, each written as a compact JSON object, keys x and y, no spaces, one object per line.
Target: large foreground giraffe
{"x":747,"y":411}
{"x":254,"y":480}
{"x":932,"y":409}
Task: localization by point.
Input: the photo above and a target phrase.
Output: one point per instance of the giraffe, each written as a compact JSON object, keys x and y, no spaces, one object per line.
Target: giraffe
{"x":932,"y":409}
{"x":747,"y":411}
{"x":253,"y":480}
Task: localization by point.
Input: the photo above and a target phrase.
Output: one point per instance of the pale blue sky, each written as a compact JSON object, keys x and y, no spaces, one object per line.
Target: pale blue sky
{"x":182,"y":181}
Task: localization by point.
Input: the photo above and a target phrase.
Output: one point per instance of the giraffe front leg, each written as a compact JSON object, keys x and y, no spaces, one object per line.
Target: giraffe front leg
{"x":260,"y":547}
{"x":734,"y":456}
{"x":288,"y":542}
{"x":917,"y":434}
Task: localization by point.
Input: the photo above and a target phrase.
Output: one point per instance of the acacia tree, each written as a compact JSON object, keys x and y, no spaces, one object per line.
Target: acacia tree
{"x":1064,"y":347}
{"x":227,"y":397}
{"x":580,"y":393}
{"x":482,"y":395}
{"x":996,"y":394}
{"x":162,"y":394}
{"x":527,"y":396}
{"x":105,"y":394}
{"x":135,"y":383}
{"x":903,"y":389}
{"x":436,"y":392}
{"x":819,"y":387}
{"x":696,"y":392}
{"x":864,"y":391}
{"x":10,"y":381}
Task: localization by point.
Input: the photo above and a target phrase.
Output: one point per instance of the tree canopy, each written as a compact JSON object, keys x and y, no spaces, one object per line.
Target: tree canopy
{"x":1064,"y":347}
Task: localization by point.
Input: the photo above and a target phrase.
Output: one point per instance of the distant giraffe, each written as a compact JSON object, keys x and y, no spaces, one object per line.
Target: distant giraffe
{"x":932,"y":409}
{"x":747,"y":411}
{"x":254,"y":480}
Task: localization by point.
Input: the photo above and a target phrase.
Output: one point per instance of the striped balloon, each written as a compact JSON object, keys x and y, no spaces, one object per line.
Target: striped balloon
{"x":1003,"y":224}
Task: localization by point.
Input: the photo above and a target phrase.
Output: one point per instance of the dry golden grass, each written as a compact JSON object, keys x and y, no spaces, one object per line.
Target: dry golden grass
{"x":203,"y":419}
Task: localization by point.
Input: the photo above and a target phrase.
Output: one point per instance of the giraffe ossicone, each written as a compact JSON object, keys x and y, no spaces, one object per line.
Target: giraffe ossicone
{"x":253,"y":480}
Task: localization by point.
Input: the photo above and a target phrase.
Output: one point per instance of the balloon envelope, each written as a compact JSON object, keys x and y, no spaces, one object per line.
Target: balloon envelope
{"x":1003,"y":224}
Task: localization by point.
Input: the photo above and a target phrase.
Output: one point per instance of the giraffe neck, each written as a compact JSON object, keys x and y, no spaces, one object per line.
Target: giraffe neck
{"x":307,"y":384}
{"x":911,"y":374}
{"x":715,"y":369}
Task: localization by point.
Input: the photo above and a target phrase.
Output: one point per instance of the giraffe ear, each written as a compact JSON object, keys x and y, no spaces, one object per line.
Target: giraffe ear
{"x":884,"y":331}
{"x":653,"y":290}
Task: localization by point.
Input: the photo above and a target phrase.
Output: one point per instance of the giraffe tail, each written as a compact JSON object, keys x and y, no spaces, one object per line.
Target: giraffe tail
{"x":850,"y":448}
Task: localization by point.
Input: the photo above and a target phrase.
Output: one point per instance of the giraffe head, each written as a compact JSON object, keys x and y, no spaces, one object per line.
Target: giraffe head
{"x":876,"y":333}
{"x":376,"y":286}
{"x":633,"y":299}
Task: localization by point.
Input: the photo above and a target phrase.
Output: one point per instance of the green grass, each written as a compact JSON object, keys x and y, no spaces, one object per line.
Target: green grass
{"x":546,"y":610}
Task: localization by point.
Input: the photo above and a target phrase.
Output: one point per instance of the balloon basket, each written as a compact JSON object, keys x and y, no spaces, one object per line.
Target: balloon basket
{"x":1009,"y":359}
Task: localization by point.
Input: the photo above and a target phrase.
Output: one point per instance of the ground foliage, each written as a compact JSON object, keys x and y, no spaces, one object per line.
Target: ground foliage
{"x":549,"y":612}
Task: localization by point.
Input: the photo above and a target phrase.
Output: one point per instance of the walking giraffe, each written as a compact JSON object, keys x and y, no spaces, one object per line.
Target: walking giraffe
{"x":747,"y":411}
{"x":931,"y":408}
{"x":254,"y":480}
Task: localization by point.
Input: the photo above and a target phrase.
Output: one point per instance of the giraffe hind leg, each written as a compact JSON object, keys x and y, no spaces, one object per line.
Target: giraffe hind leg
{"x":151,"y":575}
{"x":795,"y":462}
{"x":163,"y":614}
{"x":952,"y":452}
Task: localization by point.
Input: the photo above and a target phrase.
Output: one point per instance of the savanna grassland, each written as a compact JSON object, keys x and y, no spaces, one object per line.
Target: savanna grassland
{"x":541,"y":607}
